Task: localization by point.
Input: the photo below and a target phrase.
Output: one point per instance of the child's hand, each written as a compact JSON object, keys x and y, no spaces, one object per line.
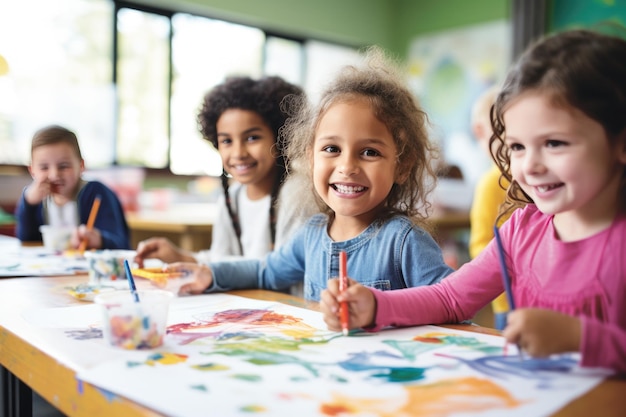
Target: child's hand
{"x":39,"y":189}
{"x":160,"y":248}
{"x":93,"y":237}
{"x":202,"y":276}
{"x":361,"y":304}
{"x":542,"y":332}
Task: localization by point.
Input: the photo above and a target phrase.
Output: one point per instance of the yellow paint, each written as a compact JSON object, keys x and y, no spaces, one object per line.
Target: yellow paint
{"x":4,"y":66}
{"x":253,"y":408}
{"x":165,"y":358}
{"x":211,"y":367}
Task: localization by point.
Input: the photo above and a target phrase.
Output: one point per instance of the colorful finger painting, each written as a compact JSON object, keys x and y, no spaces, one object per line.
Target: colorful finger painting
{"x":39,"y":261}
{"x":232,"y":356}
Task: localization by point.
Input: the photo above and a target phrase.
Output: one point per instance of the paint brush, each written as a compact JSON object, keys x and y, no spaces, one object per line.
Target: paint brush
{"x":131,"y":281}
{"x":506,"y":279}
{"x":90,"y":221}
{"x":344,"y":313}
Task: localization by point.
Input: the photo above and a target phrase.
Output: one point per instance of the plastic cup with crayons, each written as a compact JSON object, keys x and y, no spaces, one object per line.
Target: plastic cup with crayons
{"x":131,"y":324}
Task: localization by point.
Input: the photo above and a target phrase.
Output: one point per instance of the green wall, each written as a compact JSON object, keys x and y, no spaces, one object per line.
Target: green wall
{"x":415,"y":18}
{"x":391,"y":24}
{"x":351,"y":22}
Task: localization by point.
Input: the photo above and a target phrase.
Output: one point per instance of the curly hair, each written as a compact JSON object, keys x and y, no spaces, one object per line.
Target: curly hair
{"x":378,"y":80}
{"x":263,"y":96}
{"x":577,"y":68}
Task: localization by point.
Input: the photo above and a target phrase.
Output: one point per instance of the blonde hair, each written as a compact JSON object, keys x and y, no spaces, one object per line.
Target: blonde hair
{"x":377,"y":80}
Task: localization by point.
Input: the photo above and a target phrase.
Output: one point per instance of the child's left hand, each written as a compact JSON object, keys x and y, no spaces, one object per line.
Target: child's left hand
{"x":93,"y":237}
{"x":541,"y":332}
{"x":202,"y":276}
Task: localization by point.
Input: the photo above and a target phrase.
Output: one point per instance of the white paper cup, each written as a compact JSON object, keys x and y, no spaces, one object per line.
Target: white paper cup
{"x":108,"y":265}
{"x":56,"y":238}
{"x":128,"y":324}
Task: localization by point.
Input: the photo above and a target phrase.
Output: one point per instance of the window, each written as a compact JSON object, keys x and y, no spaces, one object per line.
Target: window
{"x":143,"y":83}
{"x":284,"y":58}
{"x":132,"y":96}
{"x":201,"y":60}
{"x":60,"y":71}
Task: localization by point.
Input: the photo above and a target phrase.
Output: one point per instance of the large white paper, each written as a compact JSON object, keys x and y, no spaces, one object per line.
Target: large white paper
{"x":232,"y":356}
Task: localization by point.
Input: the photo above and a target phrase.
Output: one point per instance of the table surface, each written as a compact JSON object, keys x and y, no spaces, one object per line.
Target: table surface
{"x":57,"y":383}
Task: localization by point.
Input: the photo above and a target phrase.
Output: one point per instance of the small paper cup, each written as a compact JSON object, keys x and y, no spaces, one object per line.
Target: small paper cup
{"x":107,"y":265}
{"x":128,"y":324}
{"x":56,"y":238}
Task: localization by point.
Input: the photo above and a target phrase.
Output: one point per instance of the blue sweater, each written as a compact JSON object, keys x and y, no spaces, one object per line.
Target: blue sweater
{"x":110,"y":220}
{"x":391,"y":255}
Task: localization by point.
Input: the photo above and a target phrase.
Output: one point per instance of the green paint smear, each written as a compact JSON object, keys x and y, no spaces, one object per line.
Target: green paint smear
{"x":200,"y":387}
{"x":402,"y":374}
{"x":338,"y":378}
{"x":248,"y":377}
{"x":253,"y":409}
{"x":268,"y":358}
{"x":266,"y":344}
{"x":411,"y":349}
{"x":211,"y":367}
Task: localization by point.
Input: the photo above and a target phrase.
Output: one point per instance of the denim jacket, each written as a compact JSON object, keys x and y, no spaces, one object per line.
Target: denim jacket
{"x":387,"y":255}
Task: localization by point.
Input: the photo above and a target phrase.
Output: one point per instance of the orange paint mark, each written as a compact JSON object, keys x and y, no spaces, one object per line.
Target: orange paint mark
{"x":335,"y":410}
{"x":467,"y":395}
{"x":427,"y":339}
{"x":432,"y":337}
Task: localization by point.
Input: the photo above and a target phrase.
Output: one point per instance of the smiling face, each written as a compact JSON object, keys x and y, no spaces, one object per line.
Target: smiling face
{"x":562,"y":159}
{"x":59,"y":165}
{"x":245,"y":143}
{"x":354,"y":161}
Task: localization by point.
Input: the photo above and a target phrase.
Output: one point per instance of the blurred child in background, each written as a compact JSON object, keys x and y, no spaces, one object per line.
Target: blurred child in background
{"x":59,"y":197}
{"x":488,"y":195}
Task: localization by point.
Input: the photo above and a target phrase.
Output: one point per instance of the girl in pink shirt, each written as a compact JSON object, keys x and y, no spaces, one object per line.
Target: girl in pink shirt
{"x":559,"y":127}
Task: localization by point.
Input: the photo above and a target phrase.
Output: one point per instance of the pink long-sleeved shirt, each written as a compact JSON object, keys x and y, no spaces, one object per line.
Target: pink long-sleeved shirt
{"x":586,"y":279}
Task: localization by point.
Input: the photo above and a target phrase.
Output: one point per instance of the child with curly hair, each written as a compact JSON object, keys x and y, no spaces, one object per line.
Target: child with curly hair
{"x":241,"y":118}
{"x":363,"y":154}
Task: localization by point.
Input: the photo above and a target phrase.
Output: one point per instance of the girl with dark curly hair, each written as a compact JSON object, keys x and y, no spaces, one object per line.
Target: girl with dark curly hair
{"x":242,"y":118}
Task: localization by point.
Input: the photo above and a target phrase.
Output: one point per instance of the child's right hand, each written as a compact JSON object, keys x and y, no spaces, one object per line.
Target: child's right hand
{"x":161,"y":248}
{"x":202,"y":276}
{"x":361,"y":304}
{"x":39,"y":189}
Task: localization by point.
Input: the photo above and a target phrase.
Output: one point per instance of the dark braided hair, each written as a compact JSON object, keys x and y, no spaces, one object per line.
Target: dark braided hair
{"x":265,"y":97}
